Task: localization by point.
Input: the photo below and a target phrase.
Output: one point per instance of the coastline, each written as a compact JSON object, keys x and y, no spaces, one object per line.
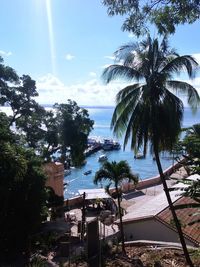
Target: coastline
{"x":128,"y":187}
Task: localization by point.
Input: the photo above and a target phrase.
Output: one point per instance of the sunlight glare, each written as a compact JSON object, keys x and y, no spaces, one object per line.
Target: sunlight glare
{"x":51,"y":35}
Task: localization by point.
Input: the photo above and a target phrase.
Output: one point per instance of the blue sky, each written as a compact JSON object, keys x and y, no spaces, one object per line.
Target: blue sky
{"x":64,"y":45}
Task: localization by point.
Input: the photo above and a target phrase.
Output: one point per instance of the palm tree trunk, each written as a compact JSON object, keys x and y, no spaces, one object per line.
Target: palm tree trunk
{"x":176,"y":221}
{"x":121,"y":223}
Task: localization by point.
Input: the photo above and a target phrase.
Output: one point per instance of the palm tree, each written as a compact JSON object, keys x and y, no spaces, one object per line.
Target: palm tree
{"x":116,"y":172}
{"x":148,"y":111}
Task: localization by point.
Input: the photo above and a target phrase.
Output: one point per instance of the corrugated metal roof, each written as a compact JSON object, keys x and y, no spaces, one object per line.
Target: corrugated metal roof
{"x":151,"y":207}
{"x":157,"y":204}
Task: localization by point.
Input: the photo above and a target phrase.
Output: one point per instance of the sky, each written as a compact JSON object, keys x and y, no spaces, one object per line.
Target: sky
{"x":65,"y":44}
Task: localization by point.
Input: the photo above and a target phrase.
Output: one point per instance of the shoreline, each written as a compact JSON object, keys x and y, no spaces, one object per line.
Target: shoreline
{"x":128,"y":187}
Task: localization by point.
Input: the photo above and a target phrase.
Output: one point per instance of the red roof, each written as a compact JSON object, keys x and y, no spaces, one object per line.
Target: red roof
{"x":185,"y":216}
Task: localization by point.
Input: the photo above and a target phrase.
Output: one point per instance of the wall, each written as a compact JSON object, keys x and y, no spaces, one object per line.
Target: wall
{"x":151,"y":181}
{"x":55,"y":174}
{"x":151,"y":229}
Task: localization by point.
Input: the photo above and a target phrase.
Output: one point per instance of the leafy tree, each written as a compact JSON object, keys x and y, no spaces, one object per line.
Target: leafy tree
{"x":165,"y":15}
{"x":27,"y":114}
{"x":149,"y":111}
{"x":7,"y":76}
{"x":115,"y":173}
{"x":191,"y":141}
{"x":74,"y":126}
{"x":193,"y":192}
{"x":20,"y":98}
{"x":22,"y":195}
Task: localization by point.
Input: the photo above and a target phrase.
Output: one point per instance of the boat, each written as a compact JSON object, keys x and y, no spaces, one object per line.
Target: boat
{"x":103,"y":157}
{"x":116,"y":145}
{"x":107,"y":144}
{"x":139,"y":156}
{"x":87,"y":172}
{"x":110,"y":144}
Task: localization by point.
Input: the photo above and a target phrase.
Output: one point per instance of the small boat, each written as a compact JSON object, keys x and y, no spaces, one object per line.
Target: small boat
{"x":103,"y":158}
{"x":139,"y":156}
{"x":87,"y":172}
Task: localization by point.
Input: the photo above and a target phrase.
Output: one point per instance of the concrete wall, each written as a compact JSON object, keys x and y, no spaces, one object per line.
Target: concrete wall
{"x":55,"y":174}
{"x":151,"y":229}
{"x":151,"y":181}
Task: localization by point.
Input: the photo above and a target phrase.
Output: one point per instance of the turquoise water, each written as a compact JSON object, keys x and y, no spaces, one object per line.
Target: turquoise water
{"x":145,"y":168}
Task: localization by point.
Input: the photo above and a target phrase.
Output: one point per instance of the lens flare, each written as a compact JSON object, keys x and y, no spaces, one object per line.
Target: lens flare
{"x":51,"y":35}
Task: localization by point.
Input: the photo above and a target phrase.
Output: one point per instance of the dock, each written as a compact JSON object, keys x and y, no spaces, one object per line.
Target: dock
{"x":95,"y":144}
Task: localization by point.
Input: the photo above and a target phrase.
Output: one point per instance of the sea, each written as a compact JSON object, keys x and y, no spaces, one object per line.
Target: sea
{"x":144,"y":168}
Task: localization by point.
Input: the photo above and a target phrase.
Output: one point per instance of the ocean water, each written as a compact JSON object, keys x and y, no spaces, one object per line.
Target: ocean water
{"x":145,"y":168}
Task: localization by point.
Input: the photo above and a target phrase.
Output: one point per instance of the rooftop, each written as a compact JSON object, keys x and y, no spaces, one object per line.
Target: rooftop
{"x":94,"y":193}
{"x":185,"y":217}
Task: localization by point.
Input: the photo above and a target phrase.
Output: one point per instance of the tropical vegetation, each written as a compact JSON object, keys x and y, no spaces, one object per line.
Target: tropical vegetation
{"x":147,"y":110}
{"x":165,"y":15}
{"x":115,"y":173}
{"x":29,"y":137}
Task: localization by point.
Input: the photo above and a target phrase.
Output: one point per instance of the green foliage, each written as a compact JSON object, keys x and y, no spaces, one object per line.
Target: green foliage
{"x":147,"y":110}
{"x":115,"y":173}
{"x":165,"y":15}
{"x":193,"y":192}
{"x":7,"y":76}
{"x":191,"y":141}
{"x":74,"y":126}
{"x":22,"y":197}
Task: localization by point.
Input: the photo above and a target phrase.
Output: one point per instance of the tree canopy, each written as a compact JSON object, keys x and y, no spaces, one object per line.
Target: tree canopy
{"x":28,"y":138}
{"x":22,"y":194}
{"x":164,"y":14}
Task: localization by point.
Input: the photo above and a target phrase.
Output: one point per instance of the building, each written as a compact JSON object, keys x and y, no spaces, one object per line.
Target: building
{"x":55,"y":174}
{"x":153,"y":220}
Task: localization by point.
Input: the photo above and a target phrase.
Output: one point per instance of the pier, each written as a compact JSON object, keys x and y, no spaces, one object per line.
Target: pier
{"x":95,"y":144}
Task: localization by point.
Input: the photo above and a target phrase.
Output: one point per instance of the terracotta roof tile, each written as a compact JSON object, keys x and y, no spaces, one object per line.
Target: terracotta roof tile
{"x":184,"y":215}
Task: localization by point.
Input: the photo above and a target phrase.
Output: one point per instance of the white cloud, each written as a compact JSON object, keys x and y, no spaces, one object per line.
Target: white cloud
{"x":92,"y":92}
{"x":197,"y":57}
{"x":105,"y":66}
{"x":93,"y":74}
{"x":110,"y":57}
{"x":5,"y":54}
{"x":69,"y":57}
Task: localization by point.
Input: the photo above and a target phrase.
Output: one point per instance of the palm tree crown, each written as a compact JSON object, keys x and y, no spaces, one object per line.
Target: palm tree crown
{"x":115,"y":172}
{"x":148,"y":110}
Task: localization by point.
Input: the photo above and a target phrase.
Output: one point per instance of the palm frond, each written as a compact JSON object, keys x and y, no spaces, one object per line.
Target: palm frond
{"x":101,"y":175}
{"x":181,"y":63}
{"x":127,"y":98}
{"x":114,"y":72}
{"x":188,"y":89}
